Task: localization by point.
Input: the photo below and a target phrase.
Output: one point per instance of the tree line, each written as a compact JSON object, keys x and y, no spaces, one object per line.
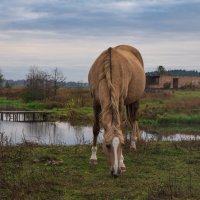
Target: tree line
{"x":23,"y":82}
{"x":160,"y":70}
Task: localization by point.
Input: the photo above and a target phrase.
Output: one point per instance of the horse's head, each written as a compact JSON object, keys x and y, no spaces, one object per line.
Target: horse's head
{"x":112,"y":147}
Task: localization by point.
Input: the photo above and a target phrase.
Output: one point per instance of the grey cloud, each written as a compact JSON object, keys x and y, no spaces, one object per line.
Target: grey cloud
{"x":102,"y":18}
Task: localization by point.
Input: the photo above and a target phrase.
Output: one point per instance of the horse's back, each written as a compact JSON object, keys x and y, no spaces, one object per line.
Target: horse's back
{"x":127,"y":73}
{"x":132,"y":50}
{"x":133,"y":76}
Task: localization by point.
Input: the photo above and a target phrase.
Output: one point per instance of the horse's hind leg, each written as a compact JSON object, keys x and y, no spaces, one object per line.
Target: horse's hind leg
{"x":132,"y":112}
{"x":96,"y":129}
{"x":121,"y":112}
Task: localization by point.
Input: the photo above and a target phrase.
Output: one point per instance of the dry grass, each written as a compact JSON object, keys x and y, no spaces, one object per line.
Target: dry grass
{"x":12,"y":93}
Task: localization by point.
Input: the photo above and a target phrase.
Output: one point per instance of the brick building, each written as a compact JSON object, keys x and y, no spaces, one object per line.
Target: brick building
{"x":169,"y":81}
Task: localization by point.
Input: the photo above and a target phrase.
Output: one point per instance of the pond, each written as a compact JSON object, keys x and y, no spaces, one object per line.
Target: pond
{"x":57,"y":133}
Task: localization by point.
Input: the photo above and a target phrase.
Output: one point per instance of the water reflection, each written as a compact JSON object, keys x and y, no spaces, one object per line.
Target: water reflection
{"x":174,"y":137}
{"x":64,"y":133}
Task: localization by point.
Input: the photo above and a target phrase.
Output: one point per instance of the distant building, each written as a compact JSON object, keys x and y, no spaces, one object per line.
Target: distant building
{"x":172,"y":82}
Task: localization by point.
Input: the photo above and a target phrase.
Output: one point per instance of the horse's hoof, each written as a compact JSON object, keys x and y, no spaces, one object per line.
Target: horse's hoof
{"x":133,"y":148}
{"x":93,"y":162}
{"x":123,"y":169}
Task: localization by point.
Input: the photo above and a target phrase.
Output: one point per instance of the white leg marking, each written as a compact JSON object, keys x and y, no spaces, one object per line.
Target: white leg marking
{"x":133,"y":144}
{"x":134,"y":137}
{"x":94,"y":153}
{"x":115,"y":146}
{"x":121,"y":164}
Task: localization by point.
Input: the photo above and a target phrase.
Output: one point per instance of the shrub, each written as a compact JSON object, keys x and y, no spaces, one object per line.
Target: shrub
{"x":167,"y":85}
{"x":53,"y":104}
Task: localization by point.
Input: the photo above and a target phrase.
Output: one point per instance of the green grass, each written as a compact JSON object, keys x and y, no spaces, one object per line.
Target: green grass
{"x":178,"y":118}
{"x":187,"y":93}
{"x":177,"y":107}
{"x":156,"y":171}
{"x":171,"y":128}
{"x":172,"y":119}
{"x":18,"y":104}
{"x":66,"y":113}
{"x":10,"y":103}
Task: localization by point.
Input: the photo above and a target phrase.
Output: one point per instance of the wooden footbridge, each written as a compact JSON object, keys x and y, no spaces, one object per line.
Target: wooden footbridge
{"x":23,"y":116}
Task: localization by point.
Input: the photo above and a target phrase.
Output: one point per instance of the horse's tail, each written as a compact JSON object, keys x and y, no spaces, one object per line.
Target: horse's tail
{"x":112,"y":106}
{"x":108,"y":75}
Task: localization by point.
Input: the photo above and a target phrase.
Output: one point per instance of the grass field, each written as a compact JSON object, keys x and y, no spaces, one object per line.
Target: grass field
{"x":156,"y":171}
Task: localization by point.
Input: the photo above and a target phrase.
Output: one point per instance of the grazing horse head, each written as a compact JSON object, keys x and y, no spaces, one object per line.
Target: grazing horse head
{"x":112,"y":146}
{"x":116,"y":79}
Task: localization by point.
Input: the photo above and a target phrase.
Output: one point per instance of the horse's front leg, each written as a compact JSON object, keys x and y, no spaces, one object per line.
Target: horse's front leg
{"x":132,"y":114}
{"x":121,"y":112}
{"x":135,"y":135}
{"x":121,"y":164}
{"x":96,"y":129}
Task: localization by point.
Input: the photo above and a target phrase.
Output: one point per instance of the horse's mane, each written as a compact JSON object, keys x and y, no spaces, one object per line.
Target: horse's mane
{"x":112,"y":106}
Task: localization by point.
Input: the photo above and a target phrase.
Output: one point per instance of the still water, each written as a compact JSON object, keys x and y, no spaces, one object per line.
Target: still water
{"x":64,"y":133}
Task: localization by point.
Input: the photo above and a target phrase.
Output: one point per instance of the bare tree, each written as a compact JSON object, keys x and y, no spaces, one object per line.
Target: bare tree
{"x":57,"y":79}
{"x":42,"y":85}
{"x":38,"y":84}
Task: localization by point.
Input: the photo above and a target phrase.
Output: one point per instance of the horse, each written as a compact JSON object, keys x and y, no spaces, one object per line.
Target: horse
{"x":116,"y":79}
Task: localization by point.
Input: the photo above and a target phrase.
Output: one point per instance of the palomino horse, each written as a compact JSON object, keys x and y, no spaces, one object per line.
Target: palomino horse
{"x":116,"y":79}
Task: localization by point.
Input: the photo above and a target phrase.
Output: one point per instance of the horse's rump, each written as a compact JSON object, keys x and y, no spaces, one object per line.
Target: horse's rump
{"x":127,"y":73}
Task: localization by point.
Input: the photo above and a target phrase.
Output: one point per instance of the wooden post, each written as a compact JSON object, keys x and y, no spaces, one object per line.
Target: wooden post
{"x":33,"y":117}
{"x":44,"y":116}
{"x":14,"y":117}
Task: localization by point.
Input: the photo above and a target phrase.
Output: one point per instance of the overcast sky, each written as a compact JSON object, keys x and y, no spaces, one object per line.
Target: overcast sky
{"x":70,"y":34}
